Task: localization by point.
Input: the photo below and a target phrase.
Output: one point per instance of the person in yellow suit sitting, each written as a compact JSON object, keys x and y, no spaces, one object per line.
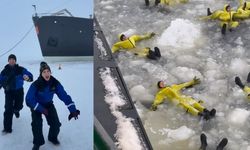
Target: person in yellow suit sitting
{"x":225,"y":17}
{"x":242,"y":12}
{"x":246,"y":89}
{"x":173,"y":94}
{"x":129,"y":43}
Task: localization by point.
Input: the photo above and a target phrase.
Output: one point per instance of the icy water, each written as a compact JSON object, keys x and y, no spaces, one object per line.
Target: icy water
{"x":190,"y":47}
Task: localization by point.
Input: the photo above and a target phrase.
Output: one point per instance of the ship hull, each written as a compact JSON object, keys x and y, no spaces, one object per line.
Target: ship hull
{"x":61,"y":36}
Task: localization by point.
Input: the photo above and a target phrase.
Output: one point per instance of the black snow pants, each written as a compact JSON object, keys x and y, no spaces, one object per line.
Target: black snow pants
{"x":13,"y":102}
{"x":37,"y":124}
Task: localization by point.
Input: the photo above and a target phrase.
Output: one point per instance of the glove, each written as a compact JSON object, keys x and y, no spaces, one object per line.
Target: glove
{"x":45,"y":112}
{"x":152,"y":34}
{"x":74,"y":114}
{"x":196,"y":81}
{"x":153,"y":107}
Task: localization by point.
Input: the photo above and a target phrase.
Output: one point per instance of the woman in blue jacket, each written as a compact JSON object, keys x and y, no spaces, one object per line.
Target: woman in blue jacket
{"x":40,"y":100}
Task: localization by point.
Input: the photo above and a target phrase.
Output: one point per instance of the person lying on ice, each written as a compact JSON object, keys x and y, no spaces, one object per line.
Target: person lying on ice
{"x":40,"y":100}
{"x":173,"y":94}
{"x":220,"y":146}
{"x":225,"y":17}
{"x":129,"y":43}
{"x":169,"y":2}
{"x":245,"y":88}
{"x":246,"y":3}
{"x":242,"y":12}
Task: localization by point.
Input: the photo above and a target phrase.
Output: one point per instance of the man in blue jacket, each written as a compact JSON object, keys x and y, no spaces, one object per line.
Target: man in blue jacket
{"x":11,"y":79}
{"x":40,"y":100}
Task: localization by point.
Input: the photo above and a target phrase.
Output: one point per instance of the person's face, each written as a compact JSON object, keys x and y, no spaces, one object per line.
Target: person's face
{"x":12,"y":62}
{"x":161,"y":84}
{"x":46,"y":74}
{"x":124,"y":38}
{"x":228,"y":8}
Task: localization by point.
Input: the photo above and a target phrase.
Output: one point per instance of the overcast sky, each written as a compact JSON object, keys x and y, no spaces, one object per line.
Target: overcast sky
{"x":16,"y":20}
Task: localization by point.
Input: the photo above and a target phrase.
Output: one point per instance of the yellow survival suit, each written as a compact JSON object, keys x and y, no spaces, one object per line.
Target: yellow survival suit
{"x":130,"y":43}
{"x":173,"y":94}
{"x":171,"y":2}
{"x":246,"y":89}
{"x":225,"y":17}
{"x":242,"y":12}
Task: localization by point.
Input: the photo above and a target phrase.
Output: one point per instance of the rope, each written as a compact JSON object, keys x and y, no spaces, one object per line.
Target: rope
{"x":12,"y":48}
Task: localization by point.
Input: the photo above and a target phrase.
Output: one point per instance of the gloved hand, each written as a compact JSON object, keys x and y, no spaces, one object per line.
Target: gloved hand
{"x":196,"y":81}
{"x":152,"y":34}
{"x":153,"y":107}
{"x":74,"y":114}
{"x":45,"y":112}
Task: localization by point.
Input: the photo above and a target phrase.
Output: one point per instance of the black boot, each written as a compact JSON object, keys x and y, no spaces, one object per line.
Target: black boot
{"x":157,"y":2}
{"x":35,"y":147}
{"x":16,"y":113}
{"x":206,"y":114}
{"x":54,"y":141}
{"x":203,"y":138}
{"x":151,"y":55}
{"x":223,"y":29}
{"x":208,"y":12}
{"x":238,"y":82}
{"x":147,"y":2}
{"x":248,"y":77}
{"x":212,"y":112}
{"x":4,"y":131}
{"x":157,"y":52}
{"x":222,"y":144}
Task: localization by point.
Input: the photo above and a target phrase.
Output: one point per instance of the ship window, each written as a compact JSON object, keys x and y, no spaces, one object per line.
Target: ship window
{"x":80,"y":31}
{"x":52,"y":41}
{"x":55,"y":21}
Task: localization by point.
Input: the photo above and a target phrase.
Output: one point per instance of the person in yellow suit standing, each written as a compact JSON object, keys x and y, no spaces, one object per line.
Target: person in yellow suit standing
{"x":245,"y":88}
{"x":173,"y":94}
{"x":225,"y":17}
{"x":129,"y":44}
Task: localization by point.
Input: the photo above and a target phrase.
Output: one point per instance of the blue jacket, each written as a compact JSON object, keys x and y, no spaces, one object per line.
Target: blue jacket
{"x":41,"y":93}
{"x":11,"y":77}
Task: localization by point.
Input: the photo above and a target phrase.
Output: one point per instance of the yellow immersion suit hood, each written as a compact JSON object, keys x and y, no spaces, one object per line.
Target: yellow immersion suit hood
{"x":120,"y":36}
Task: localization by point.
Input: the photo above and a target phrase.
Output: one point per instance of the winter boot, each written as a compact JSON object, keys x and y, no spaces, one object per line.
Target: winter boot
{"x":35,"y":147}
{"x":16,"y":113}
{"x":151,"y":55}
{"x":208,"y":12}
{"x":238,"y":82}
{"x":4,"y":131}
{"x":223,"y":29}
{"x":157,"y":2}
{"x":212,"y":112}
{"x":147,"y":2}
{"x":157,"y":52}
{"x":206,"y":114}
{"x":248,"y":78}
{"x":222,"y":144}
{"x":203,"y":138}
{"x":54,"y":141}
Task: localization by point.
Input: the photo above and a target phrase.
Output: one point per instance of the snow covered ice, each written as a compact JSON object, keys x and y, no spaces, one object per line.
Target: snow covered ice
{"x":77,"y":79}
{"x":190,"y":47}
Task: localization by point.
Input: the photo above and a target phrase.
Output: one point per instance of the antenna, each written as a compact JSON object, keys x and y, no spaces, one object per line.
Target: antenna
{"x":35,"y":9}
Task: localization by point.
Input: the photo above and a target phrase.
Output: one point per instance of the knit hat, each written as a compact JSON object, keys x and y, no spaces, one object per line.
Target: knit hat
{"x":43,"y":66}
{"x":12,"y":56}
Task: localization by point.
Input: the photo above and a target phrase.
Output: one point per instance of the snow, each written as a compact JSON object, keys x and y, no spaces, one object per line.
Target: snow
{"x":199,"y":50}
{"x":238,"y":116}
{"x":126,"y":140}
{"x":77,"y":79}
{"x":185,"y":34}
